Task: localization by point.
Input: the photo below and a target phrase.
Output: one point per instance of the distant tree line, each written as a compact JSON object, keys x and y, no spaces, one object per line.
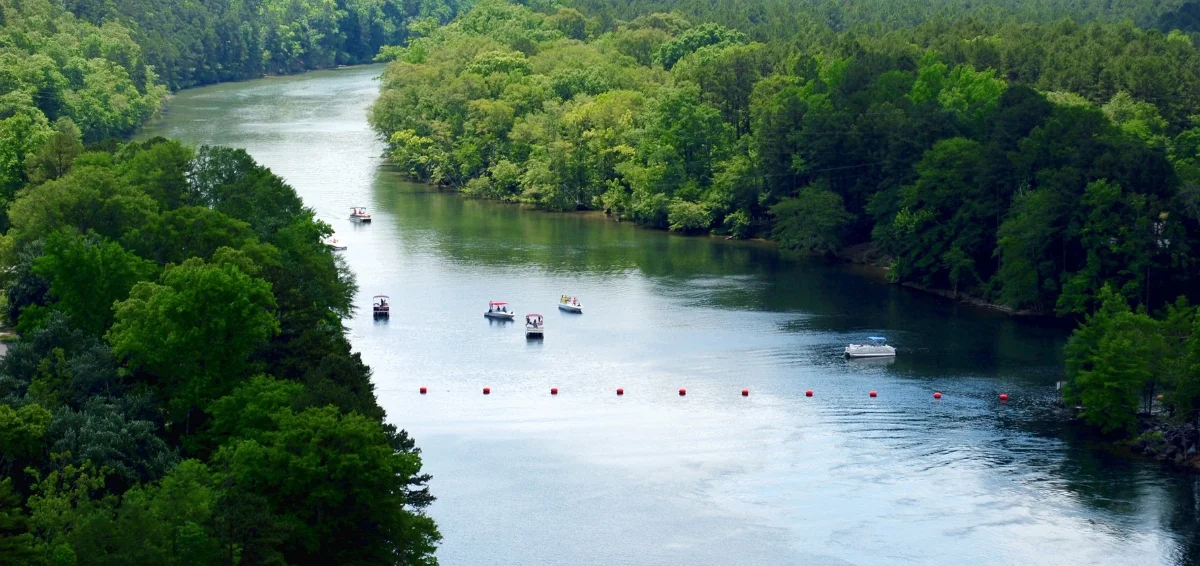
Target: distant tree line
{"x":195,"y":43}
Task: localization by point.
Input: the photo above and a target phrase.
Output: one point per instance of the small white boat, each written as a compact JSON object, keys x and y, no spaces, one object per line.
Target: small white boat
{"x":359,"y":214}
{"x":570,"y":304}
{"x":499,"y":311}
{"x":334,"y":244}
{"x":380,"y":306}
{"x":876,"y":348}
{"x":534,"y":326}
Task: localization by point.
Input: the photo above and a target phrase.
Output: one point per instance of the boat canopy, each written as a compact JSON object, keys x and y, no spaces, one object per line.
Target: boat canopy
{"x":533,"y":316}
{"x":496,"y":303}
{"x":877,"y":338}
{"x":381,"y":297}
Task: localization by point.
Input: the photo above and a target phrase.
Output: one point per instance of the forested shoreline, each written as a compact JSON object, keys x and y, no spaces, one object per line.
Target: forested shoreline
{"x":182,"y":390}
{"x":1028,"y":160}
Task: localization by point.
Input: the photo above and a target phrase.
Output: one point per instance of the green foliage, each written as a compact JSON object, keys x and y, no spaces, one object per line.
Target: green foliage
{"x":332,"y":476}
{"x":219,"y":275}
{"x":88,"y":276}
{"x":810,"y":222}
{"x":1110,"y":358}
{"x":195,"y":331}
{"x":969,"y":151}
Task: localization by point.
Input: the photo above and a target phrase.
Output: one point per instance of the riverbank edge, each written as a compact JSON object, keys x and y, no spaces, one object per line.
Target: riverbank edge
{"x":866,"y":255}
{"x":1175,"y":445}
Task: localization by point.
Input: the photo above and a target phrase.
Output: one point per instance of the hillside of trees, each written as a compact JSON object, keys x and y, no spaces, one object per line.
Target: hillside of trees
{"x":1028,"y":164}
{"x":195,"y":43}
{"x":183,"y":391}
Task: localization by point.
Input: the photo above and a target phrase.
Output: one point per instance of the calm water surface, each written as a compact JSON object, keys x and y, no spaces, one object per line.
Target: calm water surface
{"x":711,"y":478}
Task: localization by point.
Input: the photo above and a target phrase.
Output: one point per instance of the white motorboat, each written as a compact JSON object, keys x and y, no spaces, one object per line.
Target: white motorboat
{"x":499,"y":311}
{"x":334,"y":244}
{"x":570,"y":304}
{"x":380,"y":306}
{"x":359,"y":214}
{"x":534,"y":326}
{"x":876,"y":348}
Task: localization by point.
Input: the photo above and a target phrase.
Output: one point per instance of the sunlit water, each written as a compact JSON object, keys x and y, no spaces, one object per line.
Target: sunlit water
{"x":711,"y":478}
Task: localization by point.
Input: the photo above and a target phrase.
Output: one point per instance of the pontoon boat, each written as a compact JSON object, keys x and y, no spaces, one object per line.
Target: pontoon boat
{"x":876,"y":348}
{"x":381,"y":307}
{"x":359,"y":214}
{"x":499,"y":310}
{"x":533,"y":326}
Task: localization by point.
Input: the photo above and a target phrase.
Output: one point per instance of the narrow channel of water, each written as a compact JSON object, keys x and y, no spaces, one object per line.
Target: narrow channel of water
{"x":711,"y":478}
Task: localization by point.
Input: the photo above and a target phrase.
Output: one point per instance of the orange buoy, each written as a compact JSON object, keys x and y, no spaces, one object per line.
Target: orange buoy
{"x":620,"y":391}
{"x":937,"y":395}
{"x":424,"y":391}
{"x":873,"y":394}
{"x":808,"y":393}
{"x":554,"y":391}
{"x":487,"y":390}
{"x":745,"y":393}
{"x":682,"y":392}
{"x":1004,"y":396}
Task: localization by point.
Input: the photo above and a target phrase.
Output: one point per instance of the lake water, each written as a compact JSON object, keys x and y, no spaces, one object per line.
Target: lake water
{"x":587,"y":477}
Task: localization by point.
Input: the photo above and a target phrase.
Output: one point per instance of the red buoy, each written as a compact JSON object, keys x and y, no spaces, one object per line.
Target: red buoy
{"x":745,"y":393}
{"x":937,"y":395}
{"x":620,"y":391}
{"x":682,"y":392}
{"x":808,"y":393}
{"x":487,"y":390}
{"x":554,"y":391}
{"x":873,"y":394}
{"x":1004,"y":396}
{"x":424,"y":391}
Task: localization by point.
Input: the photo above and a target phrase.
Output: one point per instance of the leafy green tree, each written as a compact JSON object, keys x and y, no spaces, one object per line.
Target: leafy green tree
{"x":87,"y":276}
{"x":193,"y":334}
{"x":53,"y":159}
{"x":16,"y":542}
{"x":694,"y":38}
{"x":333,"y":477}
{"x":812,"y":221}
{"x":1110,"y":358}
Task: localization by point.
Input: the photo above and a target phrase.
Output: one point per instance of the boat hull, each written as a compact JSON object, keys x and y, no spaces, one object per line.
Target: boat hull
{"x":533,"y":333}
{"x":500,"y":315}
{"x":870,"y":352}
{"x":570,"y":308}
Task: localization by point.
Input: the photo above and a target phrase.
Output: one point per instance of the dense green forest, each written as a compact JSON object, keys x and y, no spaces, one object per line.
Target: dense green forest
{"x":194,"y":43}
{"x":183,"y":391}
{"x":1046,"y":164}
{"x":1029,"y":164}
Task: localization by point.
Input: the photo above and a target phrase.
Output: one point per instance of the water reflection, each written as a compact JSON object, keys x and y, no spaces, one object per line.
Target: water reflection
{"x":772,"y":478}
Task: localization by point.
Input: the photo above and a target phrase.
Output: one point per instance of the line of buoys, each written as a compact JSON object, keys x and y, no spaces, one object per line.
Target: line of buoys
{"x":745,"y":392}
{"x":1004,"y":396}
